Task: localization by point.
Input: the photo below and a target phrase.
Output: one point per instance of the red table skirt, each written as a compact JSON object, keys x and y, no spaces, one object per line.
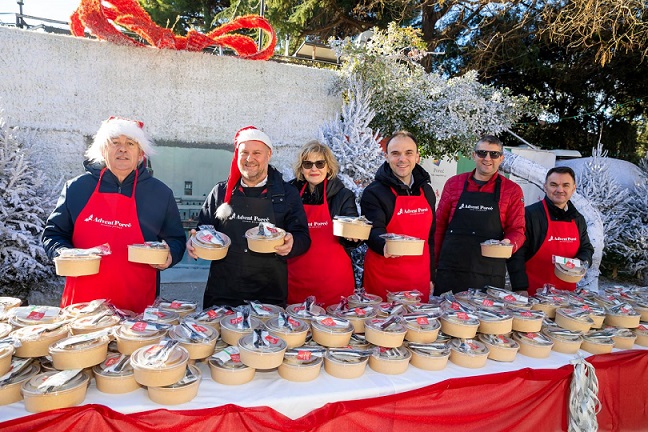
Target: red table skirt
{"x":523,"y":400}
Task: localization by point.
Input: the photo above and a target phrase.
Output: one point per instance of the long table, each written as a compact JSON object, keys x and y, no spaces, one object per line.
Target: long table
{"x":527,"y":394}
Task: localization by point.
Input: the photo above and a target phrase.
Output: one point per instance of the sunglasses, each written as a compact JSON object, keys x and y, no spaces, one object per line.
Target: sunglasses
{"x":308,"y":164}
{"x":493,"y":154}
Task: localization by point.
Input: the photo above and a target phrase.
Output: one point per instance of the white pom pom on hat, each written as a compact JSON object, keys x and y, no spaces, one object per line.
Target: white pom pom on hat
{"x":248,"y":133}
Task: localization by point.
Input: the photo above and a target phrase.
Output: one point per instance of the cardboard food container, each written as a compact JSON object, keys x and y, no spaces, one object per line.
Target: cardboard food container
{"x":6,"y":351}
{"x":198,"y":340}
{"x":624,"y":339}
{"x":232,"y":330}
{"x":405,"y":297}
{"x":623,"y":318}
{"x":77,"y":265}
{"x":642,"y":334}
{"x":294,"y":335}
{"x":566,"y":274}
{"x":390,"y":361}
{"x":496,"y":250}
{"x":5,"y":329}
{"x":267,"y":355}
{"x":10,"y":389}
{"x":500,"y":347}
{"x":469,"y":353}
{"x":459,"y":324}
{"x":159,"y":373}
{"x":549,"y":309}
{"x":298,"y":310}
{"x":390,"y":337}
{"x":33,"y":315}
{"x":300,"y":369}
{"x":79,"y":352}
{"x":210,"y":251}
{"x":264,"y":244}
{"x":341,"y":364}
{"x":265,"y":312}
{"x":495,"y":323}
{"x":349,"y":227}
{"x":564,"y":341}
{"x":119,"y":381}
{"x":93,"y":323}
{"x":226,"y":368}
{"x":35,"y":340}
{"x":10,"y":302}
{"x":178,"y":393}
{"x":148,"y":254}
{"x":596,"y":342}
{"x":421,"y":329}
{"x":357,"y":316}
{"x":404,"y":245}
{"x":533,"y":344}
{"x":130,"y":338}
{"x":331,"y":332}
{"x":362,"y":299}
{"x":182,"y":308}
{"x":429,"y":356}
{"x":359,"y":342}
{"x":526,"y":321}
{"x":70,"y":394}
{"x":574,"y":319}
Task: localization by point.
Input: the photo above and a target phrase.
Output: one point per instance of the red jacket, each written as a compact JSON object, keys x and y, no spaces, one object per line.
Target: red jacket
{"x":511,"y":205}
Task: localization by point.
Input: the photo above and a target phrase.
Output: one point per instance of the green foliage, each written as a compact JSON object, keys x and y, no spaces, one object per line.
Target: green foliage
{"x":446,"y":115}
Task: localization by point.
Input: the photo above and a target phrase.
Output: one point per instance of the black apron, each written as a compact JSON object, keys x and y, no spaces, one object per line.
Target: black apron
{"x":243,"y":274}
{"x":461,"y":265}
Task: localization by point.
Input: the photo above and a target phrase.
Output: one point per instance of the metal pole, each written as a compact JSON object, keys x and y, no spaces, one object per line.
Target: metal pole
{"x":19,"y":18}
{"x":261,"y":12}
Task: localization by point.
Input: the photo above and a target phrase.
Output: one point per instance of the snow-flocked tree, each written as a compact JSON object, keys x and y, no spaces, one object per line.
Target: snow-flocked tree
{"x":355,"y":146}
{"x":634,"y":234}
{"x":24,"y":206}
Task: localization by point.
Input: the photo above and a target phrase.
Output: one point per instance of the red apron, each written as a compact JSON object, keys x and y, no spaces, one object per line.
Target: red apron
{"x":325,"y":270}
{"x":562,"y":239}
{"x":111,"y":218}
{"x":413,"y":217}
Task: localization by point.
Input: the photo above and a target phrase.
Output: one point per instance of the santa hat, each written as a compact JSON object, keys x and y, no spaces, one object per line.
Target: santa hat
{"x":114,"y":127}
{"x":248,"y":133}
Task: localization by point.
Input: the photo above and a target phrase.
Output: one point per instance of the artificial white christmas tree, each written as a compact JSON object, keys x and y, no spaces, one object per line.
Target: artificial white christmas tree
{"x":24,"y":206}
{"x":634,"y":226}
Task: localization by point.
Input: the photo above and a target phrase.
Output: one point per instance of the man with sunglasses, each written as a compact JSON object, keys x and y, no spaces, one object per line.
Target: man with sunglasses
{"x":474,"y":207}
{"x":400,"y":201}
{"x":553,"y":227}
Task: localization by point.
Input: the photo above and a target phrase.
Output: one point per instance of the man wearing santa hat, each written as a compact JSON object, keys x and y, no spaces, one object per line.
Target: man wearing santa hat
{"x":254,"y":192}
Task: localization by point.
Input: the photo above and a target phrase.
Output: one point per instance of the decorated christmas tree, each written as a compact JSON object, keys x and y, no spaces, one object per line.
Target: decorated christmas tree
{"x":24,"y":206}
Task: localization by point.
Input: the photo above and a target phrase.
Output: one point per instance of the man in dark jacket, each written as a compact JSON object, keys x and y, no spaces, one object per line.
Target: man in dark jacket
{"x":399,"y":201}
{"x":254,"y":192}
{"x":553,"y":227}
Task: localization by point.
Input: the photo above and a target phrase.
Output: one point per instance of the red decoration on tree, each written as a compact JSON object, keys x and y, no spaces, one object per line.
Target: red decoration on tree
{"x":101,"y":17}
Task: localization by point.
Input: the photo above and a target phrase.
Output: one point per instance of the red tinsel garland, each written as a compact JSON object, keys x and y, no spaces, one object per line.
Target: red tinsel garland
{"x":100,"y":18}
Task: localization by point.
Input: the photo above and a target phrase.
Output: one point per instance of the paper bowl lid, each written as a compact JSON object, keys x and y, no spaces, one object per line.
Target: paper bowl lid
{"x":275,"y":344}
{"x":470,"y":347}
{"x":30,"y":387}
{"x":141,"y":356}
{"x":253,"y":233}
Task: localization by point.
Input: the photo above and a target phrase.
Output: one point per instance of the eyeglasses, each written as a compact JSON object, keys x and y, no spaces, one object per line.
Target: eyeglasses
{"x":493,"y":154}
{"x":308,"y":164}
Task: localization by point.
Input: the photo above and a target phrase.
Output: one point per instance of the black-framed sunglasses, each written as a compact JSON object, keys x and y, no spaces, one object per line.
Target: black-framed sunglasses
{"x":318,"y":164}
{"x":493,"y":154}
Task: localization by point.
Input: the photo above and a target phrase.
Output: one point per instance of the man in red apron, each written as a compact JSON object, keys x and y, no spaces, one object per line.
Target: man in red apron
{"x":117,"y":202}
{"x":553,"y":227}
{"x":400,"y":201}
{"x":474,"y":207}
{"x":254,"y":192}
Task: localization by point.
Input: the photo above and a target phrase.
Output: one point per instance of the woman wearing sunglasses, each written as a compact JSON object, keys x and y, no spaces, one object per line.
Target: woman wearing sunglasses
{"x":325,"y":271}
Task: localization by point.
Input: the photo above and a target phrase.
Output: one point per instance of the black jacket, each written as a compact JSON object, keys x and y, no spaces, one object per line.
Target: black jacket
{"x":378,"y":201}
{"x":536,"y":232}
{"x":287,"y":206}
{"x":156,"y":208}
{"x":341,"y":201}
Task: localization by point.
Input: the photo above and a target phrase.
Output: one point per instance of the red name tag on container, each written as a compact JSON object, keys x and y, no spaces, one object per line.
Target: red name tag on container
{"x":35,"y":315}
{"x":212,"y":314}
{"x":139,"y":326}
{"x":236,"y":320}
{"x":175,"y":305}
{"x":273,"y":340}
{"x":111,"y":361}
{"x":304,"y":355}
{"x":328,"y":322}
{"x":422,"y":321}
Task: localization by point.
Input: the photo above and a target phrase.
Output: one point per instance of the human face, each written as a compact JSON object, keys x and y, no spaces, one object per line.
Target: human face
{"x":315,"y":175}
{"x":122,"y":156}
{"x":402,"y":157}
{"x":559,"y":187}
{"x":486,"y":167}
{"x":253,"y":160}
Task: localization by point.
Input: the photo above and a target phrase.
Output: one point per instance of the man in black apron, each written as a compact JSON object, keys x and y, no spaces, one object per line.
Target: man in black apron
{"x":474,"y":207}
{"x":254,"y":192}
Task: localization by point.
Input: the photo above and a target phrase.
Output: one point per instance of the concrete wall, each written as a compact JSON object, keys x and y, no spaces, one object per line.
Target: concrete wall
{"x":57,"y":90}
